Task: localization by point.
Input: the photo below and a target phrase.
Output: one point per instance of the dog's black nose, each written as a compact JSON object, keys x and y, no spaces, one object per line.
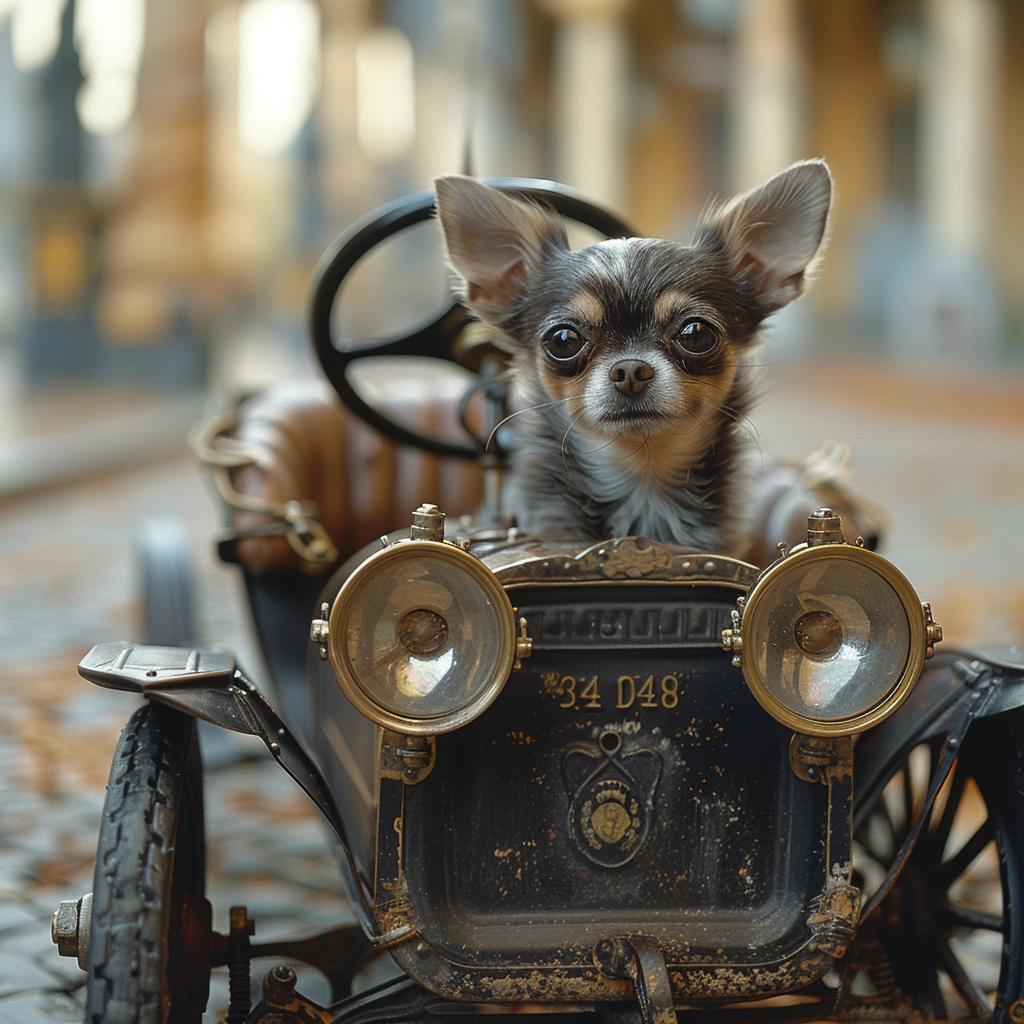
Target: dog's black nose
{"x":631,"y":376}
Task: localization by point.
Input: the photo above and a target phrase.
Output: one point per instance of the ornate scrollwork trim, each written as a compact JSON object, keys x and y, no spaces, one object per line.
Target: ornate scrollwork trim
{"x":624,"y":559}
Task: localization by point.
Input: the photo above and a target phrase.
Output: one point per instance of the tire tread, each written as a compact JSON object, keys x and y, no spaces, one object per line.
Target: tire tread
{"x":130,"y":894}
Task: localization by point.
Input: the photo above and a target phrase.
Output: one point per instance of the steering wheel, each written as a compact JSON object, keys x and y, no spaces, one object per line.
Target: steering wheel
{"x":436,"y":338}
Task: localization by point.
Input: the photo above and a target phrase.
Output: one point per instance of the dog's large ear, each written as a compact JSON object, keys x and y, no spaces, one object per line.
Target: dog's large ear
{"x":774,"y":232}
{"x":494,"y":241}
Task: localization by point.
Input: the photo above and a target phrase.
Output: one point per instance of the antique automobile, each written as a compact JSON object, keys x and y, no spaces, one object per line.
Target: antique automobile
{"x":622,"y":781}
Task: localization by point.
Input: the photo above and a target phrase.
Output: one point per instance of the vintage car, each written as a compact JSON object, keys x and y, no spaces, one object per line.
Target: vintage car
{"x":622,"y":781}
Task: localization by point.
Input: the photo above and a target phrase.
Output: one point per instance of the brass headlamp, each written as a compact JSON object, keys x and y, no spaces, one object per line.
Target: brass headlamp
{"x":831,"y":637}
{"x":421,"y":637}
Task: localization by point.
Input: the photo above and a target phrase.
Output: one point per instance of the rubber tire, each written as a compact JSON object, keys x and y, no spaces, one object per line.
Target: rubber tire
{"x":149,"y":945}
{"x":994,"y":748}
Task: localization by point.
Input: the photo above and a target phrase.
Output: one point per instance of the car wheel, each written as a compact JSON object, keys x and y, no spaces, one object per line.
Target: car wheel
{"x":949,"y":935}
{"x":149,"y":940}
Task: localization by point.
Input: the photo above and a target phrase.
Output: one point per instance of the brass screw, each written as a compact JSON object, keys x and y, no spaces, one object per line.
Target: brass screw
{"x":279,"y":985}
{"x":427,"y":523}
{"x":1016,"y":1012}
{"x":824,"y":527}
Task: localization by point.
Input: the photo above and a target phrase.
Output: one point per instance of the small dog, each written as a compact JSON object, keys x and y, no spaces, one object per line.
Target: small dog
{"x":629,"y":359}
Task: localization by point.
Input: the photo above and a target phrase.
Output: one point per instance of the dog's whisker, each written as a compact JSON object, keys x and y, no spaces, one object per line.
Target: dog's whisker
{"x":594,"y":451}
{"x":711,"y":437}
{"x":565,"y":436}
{"x":519,"y":412}
{"x":646,"y":444}
{"x":743,"y":421}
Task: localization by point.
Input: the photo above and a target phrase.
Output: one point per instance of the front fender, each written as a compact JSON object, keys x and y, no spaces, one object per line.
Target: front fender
{"x":208,"y":685}
{"x":955,"y":688}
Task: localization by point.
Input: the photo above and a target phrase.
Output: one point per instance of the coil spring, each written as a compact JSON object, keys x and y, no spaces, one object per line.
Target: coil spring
{"x":238,"y":966}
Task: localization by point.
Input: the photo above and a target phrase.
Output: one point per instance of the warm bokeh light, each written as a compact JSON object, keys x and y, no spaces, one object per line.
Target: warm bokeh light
{"x":279,"y":64}
{"x":35,"y":30}
{"x":109,"y":35}
{"x":385,"y":95}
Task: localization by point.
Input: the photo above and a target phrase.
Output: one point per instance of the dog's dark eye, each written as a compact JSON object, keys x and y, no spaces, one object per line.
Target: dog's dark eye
{"x":697,"y":337}
{"x":564,"y":343}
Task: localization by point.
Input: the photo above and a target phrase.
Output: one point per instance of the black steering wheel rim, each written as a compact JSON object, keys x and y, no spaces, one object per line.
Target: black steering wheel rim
{"x":435,"y":337}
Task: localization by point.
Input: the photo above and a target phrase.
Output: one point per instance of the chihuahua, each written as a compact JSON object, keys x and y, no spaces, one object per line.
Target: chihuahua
{"x":629,"y":365}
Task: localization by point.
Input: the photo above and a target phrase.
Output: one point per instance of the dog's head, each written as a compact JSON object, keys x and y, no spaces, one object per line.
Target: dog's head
{"x":633,"y":336}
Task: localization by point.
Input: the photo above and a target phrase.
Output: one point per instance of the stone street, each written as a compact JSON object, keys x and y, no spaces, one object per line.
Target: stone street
{"x":69,"y":580}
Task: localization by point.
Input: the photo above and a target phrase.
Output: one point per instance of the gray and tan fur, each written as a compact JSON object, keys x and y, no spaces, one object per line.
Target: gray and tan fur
{"x":629,"y":359}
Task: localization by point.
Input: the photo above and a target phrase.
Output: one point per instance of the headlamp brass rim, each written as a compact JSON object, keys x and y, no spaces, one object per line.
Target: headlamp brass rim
{"x":347,"y":678}
{"x":894,"y":696}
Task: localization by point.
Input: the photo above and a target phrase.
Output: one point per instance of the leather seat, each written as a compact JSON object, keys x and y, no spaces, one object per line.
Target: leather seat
{"x":309,"y":448}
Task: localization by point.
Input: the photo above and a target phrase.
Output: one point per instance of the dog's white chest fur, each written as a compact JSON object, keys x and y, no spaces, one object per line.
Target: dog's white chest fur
{"x":644,"y":506}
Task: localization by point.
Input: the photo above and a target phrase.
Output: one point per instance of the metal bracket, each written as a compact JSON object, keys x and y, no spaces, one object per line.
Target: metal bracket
{"x":282,"y":1003}
{"x":407,"y":758}
{"x":642,"y":962}
{"x":820,"y":758}
{"x":295,"y":520}
{"x":834,"y":916}
{"x":209,"y":686}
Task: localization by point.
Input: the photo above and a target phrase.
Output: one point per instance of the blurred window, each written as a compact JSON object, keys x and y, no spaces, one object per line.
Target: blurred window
{"x":279,"y":70}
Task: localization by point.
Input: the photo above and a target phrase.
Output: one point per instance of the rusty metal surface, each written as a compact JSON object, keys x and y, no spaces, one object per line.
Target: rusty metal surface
{"x":622,"y":810}
{"x":282,"y":1004}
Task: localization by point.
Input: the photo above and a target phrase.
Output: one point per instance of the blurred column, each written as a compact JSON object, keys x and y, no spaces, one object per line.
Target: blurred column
{"x":60,"y":338}
{"x":591,"y":76}
{"x":944,"y":303}
{"x":958,"y":110}
{"x":470,"y":69}
{"x":851,"y":111}
{"x":157,"y":267}
{"x":14,"y":167}
{"x":346,"y":175}
{"x":766,"y":124}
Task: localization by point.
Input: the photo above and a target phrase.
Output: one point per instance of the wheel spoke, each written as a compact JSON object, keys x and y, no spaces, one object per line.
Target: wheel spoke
{"x":968,"y":917}
{"x":868,"y":838}
{"x":908,"y":800}
{"x":957,"y":865}
{"x":920,"y":925}
{"x":940,"y":836}
{"x":929,"y":994}
{"x":967,"y":988}
{"x":886,"y":817}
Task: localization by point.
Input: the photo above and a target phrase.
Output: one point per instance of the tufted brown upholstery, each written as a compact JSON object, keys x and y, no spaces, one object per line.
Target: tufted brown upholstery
{"x":365,"y":485}
{"x":310,"y":448}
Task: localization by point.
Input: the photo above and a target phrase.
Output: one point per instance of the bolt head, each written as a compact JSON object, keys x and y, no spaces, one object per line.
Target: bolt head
{"x":64,"y":929}
{"x":279,"y":985}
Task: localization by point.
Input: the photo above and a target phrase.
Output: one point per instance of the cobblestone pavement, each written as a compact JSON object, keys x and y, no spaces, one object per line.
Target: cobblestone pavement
{"x":946,"y":460}
{"x":69,"y":582}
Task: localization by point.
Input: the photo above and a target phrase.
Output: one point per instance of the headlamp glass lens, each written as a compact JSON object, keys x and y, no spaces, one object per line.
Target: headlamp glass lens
{"x":832,"y":641}
{"x":422,"y":637}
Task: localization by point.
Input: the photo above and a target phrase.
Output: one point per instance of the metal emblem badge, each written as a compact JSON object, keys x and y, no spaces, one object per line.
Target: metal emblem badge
{"x":611,"y":806}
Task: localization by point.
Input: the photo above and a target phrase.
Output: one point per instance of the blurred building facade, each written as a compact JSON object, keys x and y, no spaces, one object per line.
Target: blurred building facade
{"x":247,"y":133}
